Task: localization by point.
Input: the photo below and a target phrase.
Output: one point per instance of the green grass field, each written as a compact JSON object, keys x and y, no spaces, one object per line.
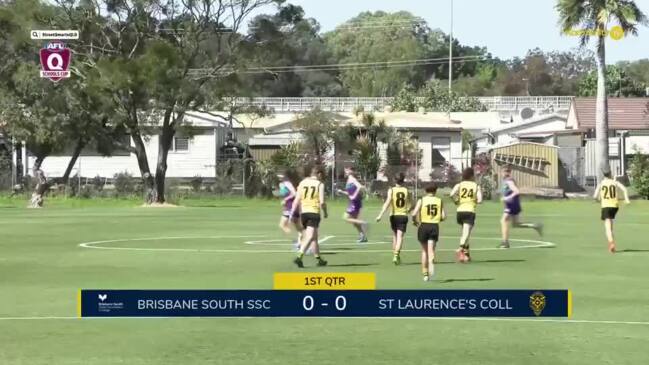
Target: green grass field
{"x":42,"y":266}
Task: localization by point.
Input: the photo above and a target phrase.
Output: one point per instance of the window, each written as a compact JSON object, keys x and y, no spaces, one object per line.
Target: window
{"x":181,"y":144}
{"x":441,"y":149}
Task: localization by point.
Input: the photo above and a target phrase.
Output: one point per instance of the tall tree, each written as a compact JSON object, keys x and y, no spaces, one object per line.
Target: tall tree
{"x":284,"y":43}
{"x":159,"y":59}
{"x":319,"y":130}
{"x":618,"y":83}
{"x":596,"y":16}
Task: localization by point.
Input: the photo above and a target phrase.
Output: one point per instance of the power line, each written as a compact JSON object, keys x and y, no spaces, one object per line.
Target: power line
{"x":353,"y":65}
{"x":339,"y":67}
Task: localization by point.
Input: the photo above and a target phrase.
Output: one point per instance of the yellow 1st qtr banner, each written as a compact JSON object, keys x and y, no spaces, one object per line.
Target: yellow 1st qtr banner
{"x":324,"y":281}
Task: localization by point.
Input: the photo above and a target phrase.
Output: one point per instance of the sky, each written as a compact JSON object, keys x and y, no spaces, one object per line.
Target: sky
{"x":508,"y":28}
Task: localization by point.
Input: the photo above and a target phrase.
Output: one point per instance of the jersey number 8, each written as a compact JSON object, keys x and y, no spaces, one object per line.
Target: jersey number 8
{"x":401,"y":200}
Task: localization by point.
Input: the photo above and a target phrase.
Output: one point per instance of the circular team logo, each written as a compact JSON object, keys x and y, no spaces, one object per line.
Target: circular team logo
{"x":55,"y":61}
{"x":616,"y":32}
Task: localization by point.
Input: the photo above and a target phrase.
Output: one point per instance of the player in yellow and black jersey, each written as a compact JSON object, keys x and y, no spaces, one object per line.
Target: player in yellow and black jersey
{"x":428,"y":213}
{"x":310,"y":200}
{"x":398,"y":200}
{"x":608,"y":193}
{"x":467,"y":195}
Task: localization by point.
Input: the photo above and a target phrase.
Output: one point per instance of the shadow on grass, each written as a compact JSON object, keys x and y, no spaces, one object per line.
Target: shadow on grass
{"x":464,"y":280}
{"x":632,"y":250}
{"x":352,"y":265}
{"x":472,"y":262}
{"x":212,"y":206}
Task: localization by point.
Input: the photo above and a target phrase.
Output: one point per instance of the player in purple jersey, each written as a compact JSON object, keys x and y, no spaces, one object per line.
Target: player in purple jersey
{"x":287,"y":194}
{"x":354,"y":191}
{"x":513,"y":209}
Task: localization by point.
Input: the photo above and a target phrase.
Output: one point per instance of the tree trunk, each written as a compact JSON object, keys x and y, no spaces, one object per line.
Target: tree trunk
{"x":164,"y":145}
{"x":601,"y":117}
{"x":143,"y":164}
{"x":73,"y":160}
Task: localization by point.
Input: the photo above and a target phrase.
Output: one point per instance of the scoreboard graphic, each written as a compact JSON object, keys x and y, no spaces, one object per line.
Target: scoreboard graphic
{"x":324,"y":295}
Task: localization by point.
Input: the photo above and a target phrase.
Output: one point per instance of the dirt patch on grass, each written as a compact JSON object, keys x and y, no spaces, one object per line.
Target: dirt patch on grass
{"x":158,"y":205}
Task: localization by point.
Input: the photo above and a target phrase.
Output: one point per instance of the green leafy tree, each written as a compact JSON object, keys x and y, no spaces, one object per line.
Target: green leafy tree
{"x":639,"y":173}
{"x":159,"y":59}
{"x":363,"y":139}
{"x":434,"y":97}
{"x":637,"y":70}
{"x":405,"y":100}
{"x":598,"y":15}
{"x":318,"y":128}
{"x":290,"y":41}
{"x":618,"y":83}
{"x":400,"y":36}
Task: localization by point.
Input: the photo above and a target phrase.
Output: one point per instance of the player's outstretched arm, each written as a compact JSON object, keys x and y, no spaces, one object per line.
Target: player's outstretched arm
{"x":296,"y":203}
{"x":597,"y":190}
{"x":625,"y":191}
{"x":443,"y":213}
{"x":414,"y":213}
{"x":454,"y":191}
{"x":323,"y":203}
{"x":386,"y":204}
{"x":291,"y":192}
{"x":479,"y":197}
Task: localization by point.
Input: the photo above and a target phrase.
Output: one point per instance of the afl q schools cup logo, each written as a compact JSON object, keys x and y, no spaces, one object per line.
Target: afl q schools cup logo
{"x":55,"y":61}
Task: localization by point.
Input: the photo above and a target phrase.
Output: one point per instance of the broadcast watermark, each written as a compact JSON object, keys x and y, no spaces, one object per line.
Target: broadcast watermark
{"x":616,"y":32}
{"x":54,"y":34}
{"x":55,"y":61}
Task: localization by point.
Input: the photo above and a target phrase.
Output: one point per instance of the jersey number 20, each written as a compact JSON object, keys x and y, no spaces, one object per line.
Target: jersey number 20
{"x":610,"y":192}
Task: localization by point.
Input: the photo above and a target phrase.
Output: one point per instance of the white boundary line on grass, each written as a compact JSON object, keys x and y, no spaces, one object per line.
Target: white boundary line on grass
{"x":527,"y":320}
{"x":95,"y":245}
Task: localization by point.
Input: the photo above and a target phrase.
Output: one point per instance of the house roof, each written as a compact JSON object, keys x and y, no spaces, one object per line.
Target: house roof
{"x":528,"y":122}
{"x":623,"y":113}
{"x":279,"y":139}
{"x":400,"y":120}
{"x":519,"y":143}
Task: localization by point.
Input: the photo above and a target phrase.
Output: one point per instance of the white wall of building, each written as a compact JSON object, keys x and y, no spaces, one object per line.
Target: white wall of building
{"x":639,"y":142}
{"x":198,"y":160}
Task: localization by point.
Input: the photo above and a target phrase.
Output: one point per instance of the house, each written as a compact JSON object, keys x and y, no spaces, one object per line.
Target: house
{"x":439,"y":139}
{"x":628,"y":120}
{"x":539,"y":129}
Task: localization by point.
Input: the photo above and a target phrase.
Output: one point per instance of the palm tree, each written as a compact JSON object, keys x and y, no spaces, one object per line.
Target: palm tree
{"x":594,"y":16}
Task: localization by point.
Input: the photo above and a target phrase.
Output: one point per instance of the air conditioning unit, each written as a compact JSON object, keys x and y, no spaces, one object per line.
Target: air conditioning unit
{"x":527,"y":113}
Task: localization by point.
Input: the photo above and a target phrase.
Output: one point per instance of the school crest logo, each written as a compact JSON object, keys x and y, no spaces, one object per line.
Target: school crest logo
{"x":55,"y":61}
{"x":537,"y":303}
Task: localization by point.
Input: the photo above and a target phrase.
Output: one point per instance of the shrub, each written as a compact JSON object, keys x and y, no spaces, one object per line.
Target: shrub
{"x":446,"y":174}
{"x":196,"y":184}
{"x":639,"y":174}
{"x":124,"y":184}
{"x":98,"y":183}
{"x":73,"y":185}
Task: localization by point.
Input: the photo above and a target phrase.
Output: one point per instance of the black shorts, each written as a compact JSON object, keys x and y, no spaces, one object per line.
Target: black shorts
{"x":399,"y":223}
{"x":465,"y":218}
{"x":609,"y":213}
{"x":310,"y":220}
{"x":427,"y":232}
